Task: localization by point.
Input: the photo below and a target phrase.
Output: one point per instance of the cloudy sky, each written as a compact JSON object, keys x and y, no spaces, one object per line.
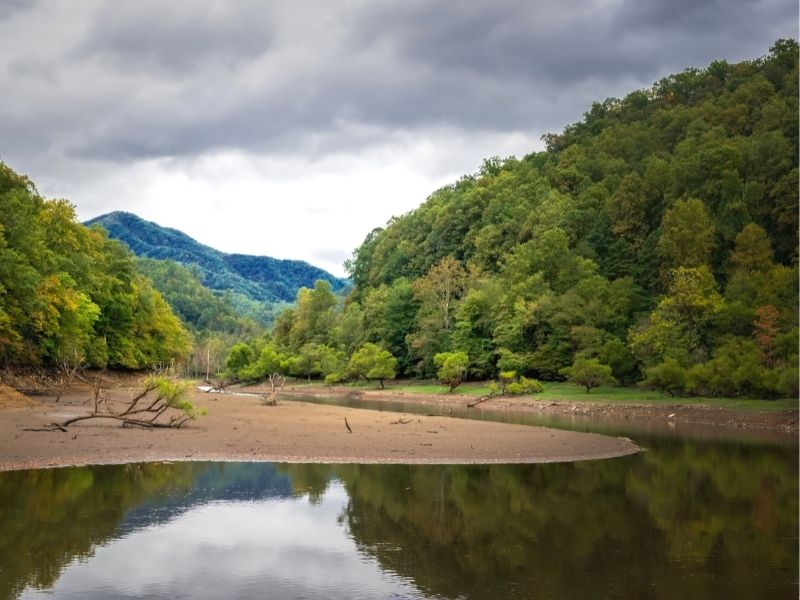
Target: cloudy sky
{"x":291,"y":129}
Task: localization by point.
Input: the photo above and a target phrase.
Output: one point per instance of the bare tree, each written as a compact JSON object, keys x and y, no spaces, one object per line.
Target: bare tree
{"x":276,"y":383}
{"x":69,"y":365}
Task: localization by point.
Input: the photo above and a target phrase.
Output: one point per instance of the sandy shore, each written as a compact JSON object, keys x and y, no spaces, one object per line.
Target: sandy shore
{"x":239,"y":428}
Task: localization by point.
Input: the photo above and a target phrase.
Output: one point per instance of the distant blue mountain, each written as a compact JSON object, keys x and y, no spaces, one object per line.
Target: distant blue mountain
{"x":260,"y":278}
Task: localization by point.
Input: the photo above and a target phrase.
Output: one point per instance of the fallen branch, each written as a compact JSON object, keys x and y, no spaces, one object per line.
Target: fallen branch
{"x":158,"y":398}
{"x":53,"y":427}
{"x":346,"y":424}
{"x":480,"y":400}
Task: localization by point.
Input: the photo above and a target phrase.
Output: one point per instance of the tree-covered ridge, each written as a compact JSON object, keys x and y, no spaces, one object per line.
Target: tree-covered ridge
{"x":70,"y":295}
{"x":657,"y":236}
{"x":726,"y":135}
{"x":196,"y":305}
{"x":258,"y":278}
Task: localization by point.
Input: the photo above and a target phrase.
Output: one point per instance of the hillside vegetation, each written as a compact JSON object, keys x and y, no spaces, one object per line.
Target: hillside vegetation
{"x":654,"y":241}
{"x":69,"y":295}
{"x":259,"y":278}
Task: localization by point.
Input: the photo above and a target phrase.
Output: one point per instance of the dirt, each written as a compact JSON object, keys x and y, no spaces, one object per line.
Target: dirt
{"x":11,"y":398}
{"x":239,"y":427}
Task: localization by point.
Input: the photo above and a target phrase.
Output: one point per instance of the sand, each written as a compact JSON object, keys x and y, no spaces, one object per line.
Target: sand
{"x":239,"y":428}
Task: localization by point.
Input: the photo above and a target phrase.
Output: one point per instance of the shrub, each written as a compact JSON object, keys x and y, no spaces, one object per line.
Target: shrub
{"x":668,"y":376}
{"x":525,"y":386}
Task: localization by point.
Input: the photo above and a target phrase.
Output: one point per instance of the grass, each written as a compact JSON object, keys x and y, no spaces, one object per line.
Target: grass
{"x":567,"y":392}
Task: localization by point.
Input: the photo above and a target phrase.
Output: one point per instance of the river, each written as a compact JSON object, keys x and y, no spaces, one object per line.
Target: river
{"x":699,"y":514}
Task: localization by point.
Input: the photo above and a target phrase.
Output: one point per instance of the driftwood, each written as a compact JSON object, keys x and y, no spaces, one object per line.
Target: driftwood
{"x":158,"y":398}
{"x":481,"y":399}
{"x":346,"y":424}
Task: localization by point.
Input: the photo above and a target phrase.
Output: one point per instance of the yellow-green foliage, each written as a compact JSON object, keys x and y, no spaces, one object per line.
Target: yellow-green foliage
{"x":525,"y":386}
{"x":69,"y":294}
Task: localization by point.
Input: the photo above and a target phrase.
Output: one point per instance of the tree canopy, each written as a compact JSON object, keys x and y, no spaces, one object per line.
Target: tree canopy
{"x":654,"y":239}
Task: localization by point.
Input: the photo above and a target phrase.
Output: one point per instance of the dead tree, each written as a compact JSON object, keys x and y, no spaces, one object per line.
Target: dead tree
{"x":276,"y":383}
{"x":69,"y":367}
{"x":160,"y":403}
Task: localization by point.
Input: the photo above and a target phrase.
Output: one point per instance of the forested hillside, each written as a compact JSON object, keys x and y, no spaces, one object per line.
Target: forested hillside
{"x":655,"y":239}
{"x":259,"y":278}
{"x":69,"y":295}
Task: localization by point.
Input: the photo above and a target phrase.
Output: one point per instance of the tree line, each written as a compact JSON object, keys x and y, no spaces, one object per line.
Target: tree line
{"x":653,"y":242}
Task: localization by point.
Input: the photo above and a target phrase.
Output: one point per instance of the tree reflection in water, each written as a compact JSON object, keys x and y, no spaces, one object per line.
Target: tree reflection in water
{"x":685,"y":519}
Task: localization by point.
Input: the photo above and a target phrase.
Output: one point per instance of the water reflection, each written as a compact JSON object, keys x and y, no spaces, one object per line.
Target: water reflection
{"x":684,"y":520}
{"x":275,"y":548}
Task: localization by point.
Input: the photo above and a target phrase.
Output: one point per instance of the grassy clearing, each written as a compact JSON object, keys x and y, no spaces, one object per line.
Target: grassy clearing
{"x":567,"y":392}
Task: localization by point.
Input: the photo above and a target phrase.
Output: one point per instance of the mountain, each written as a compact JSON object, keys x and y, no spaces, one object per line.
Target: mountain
{"x":260,"y":278}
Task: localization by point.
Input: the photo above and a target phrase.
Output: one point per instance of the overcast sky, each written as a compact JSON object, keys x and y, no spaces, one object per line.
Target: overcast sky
{"x":291,"y":129}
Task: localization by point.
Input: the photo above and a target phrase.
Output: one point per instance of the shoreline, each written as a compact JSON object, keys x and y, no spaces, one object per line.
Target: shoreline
{"x":239,"y":428}
{"x":783,"y":422}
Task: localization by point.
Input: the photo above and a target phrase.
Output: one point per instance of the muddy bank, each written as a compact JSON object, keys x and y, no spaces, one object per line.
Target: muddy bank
{"x":784,"y":422}
{"x":240,"y":428}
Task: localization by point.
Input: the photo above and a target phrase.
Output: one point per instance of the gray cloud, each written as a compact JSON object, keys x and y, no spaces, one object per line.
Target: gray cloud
{"x":178,"y":37}
{"x":11,"y":7}
{"x":143,"y":80}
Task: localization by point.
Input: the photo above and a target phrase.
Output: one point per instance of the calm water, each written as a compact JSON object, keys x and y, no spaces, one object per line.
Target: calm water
{"x":689,"y":518}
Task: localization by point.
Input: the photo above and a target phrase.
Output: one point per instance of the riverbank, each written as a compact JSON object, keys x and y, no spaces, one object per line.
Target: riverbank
{"x":666,"y":410}
{"x":238,"y":427}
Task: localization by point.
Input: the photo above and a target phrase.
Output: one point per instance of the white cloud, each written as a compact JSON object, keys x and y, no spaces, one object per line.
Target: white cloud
{"x":313,"y":210}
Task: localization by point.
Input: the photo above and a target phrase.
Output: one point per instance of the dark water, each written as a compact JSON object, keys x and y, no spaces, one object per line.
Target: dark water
{"x":689,"y":518}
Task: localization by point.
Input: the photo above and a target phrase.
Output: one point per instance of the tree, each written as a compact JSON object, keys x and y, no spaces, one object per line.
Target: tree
{"x":681,"y":323}
{"x":439,"y":289}
{"x":269,"y":362}
{"x":589,"y":373}
{"x":687,"y":235}
{"x":372,"y":362}
{"x":241,"y":355}
{"x":627,"y":209}
{"x":474,"y":327}
{"x":753,"y":251}
{"x":313,"y":315}
{"x":766,"y":330}
{"x":452,"y":368}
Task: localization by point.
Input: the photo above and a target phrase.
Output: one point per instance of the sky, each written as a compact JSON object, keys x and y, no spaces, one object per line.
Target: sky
{"x":292,"y":129}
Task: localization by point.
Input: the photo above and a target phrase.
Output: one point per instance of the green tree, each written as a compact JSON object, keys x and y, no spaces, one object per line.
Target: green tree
{"x":372,"y":362}
{"x":681,"y":323}
{"x":627,"y":208}
{"x":687,"y":235}
{"x":452,"y":368}
{"x":589,"y":373}
{"x":239,"y":358}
